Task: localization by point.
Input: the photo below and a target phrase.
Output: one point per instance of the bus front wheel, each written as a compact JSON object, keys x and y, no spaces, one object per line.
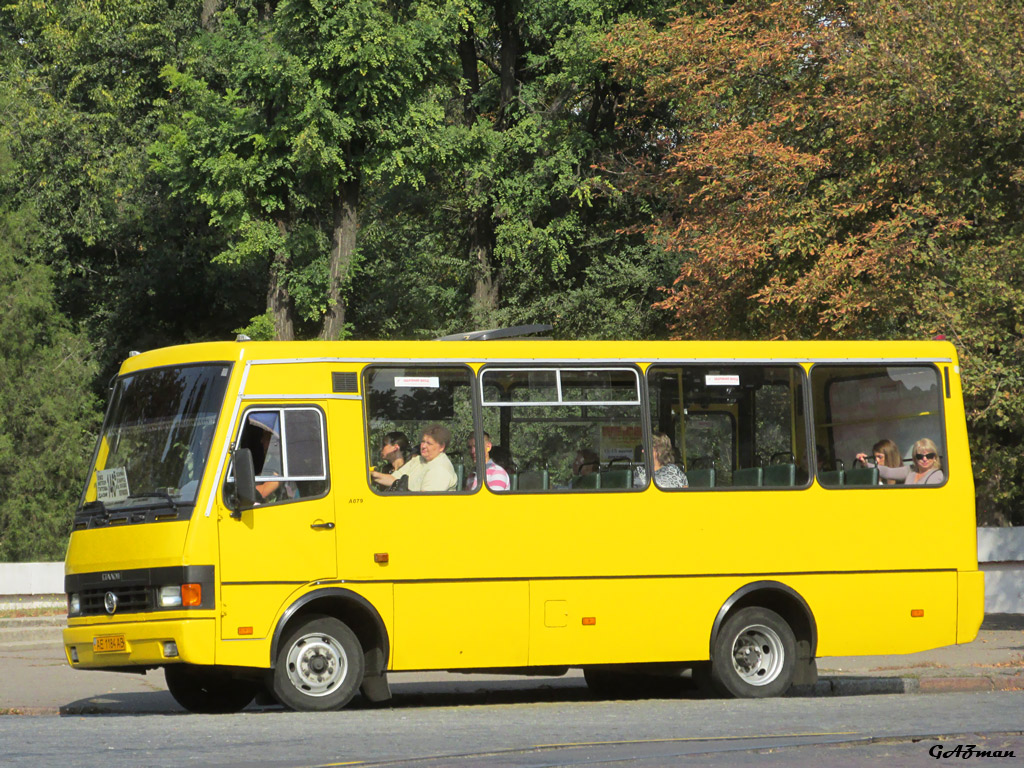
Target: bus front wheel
{"x":319,"y":667}
{"x":754,"y":655}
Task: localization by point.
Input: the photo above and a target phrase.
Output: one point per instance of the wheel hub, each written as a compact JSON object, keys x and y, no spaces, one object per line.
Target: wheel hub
{"x":317,"y":665}
{"x":758,"y":655}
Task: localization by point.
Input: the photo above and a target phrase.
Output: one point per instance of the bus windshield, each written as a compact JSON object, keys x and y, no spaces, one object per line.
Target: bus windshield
{"x":157,"y":436}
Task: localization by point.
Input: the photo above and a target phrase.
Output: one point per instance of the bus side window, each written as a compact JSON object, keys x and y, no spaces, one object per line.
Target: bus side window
{"x":733,"y":426}
{"x":404,"y":403}
{"x":891,"y":415}
{"x":566,"y":428}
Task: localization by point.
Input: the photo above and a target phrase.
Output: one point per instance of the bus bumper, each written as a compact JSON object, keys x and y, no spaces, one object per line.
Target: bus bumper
{"x":970,"y":605}
{"x":141,"y":644}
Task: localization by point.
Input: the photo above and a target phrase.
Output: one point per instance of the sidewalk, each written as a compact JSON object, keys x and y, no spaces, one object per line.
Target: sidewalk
{"x":37,"y":679}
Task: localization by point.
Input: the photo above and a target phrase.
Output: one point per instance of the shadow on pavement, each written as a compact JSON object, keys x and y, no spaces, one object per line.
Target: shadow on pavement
{"x":1003,"y":621}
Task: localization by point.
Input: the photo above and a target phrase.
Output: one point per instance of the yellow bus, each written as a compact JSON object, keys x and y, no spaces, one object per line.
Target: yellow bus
{"x":642,"y":509}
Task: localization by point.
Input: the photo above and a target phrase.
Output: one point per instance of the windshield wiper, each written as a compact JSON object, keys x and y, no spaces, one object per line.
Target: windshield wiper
{"x":157,"y":494}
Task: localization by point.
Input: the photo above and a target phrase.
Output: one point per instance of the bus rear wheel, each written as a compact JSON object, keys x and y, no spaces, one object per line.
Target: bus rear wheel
{"x":754,"y":655}
{"x":319,"y":667}
{"x":208,"y":690}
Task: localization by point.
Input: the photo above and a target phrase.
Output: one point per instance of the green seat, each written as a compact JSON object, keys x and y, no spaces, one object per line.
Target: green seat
{"x":748,"y":477}
{"x":593,"y":480}
{"x":701,"y":478}
{"x":616,"y":478}
{"x":531,"y":480}
{"x":780,"y":475}
{"x":460,"y":472}
{"x":832,"y":478}
{"x":862,"y":476}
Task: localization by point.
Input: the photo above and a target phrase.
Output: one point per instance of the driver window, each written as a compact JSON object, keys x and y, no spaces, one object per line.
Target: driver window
{"x":288,"y":452}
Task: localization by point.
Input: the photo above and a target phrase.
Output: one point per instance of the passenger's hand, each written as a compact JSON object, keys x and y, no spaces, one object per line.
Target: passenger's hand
{"x":862,"y":458}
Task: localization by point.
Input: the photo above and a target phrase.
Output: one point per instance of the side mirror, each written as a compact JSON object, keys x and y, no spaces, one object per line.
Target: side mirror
{"x":245,"y":481}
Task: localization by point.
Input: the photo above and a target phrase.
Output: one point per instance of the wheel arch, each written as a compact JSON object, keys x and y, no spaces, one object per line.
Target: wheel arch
{"x":778,"y":597}
{"x":349,"y":607}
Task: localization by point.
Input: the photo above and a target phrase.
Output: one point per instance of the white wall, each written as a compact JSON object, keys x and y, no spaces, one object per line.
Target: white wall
{"x":1001,"y":556}
{"x":31,"y":578}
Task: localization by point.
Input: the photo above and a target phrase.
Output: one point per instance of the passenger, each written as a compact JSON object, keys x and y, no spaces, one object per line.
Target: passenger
{"x":495,"y":476}
{"x":432,"y":470}
{"x":926,"y":469}
{"x":585,"y":463}
{"x":667,"y":474}
{"x":887,"y":454}
{"x":395,"y":451}
{"x":503,"y":458}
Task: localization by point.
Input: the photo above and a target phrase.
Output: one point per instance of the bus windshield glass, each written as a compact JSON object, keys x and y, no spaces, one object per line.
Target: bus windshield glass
{"x":157,"y":436}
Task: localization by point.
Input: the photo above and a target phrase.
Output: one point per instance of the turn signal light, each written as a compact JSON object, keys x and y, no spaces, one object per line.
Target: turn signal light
{"x":917,"y":613}
{"x":192,"y":594}
{"x":589,"y":621}
{"x":380,"y":557}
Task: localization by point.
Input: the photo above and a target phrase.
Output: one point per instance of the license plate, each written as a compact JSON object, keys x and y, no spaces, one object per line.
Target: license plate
{"x":108,"y":644}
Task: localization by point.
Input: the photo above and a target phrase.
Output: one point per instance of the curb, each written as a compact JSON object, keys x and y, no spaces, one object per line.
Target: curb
{"x":870,"y":686}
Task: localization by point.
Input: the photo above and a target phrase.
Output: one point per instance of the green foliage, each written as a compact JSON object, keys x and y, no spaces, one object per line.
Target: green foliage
{"x":845,"y":172}
{"x":48,"y":416}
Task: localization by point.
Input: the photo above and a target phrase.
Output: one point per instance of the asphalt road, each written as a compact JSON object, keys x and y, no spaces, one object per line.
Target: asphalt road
{"x":859,"y":731}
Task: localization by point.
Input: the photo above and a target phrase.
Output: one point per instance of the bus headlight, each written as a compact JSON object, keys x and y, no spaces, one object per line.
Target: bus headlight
{"x":74,"y":604}
{"x":170,"y":597}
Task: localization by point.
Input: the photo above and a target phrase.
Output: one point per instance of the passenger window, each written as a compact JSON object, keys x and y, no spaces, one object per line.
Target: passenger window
{"x":889,"y":415}
{"x":563,"y":428}
{"x":288,"y":450}
{"x":732,"y":426}
{"x":418,"y":423}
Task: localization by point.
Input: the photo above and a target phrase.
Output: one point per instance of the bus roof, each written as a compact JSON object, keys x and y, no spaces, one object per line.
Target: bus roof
{"x":526,"y":350}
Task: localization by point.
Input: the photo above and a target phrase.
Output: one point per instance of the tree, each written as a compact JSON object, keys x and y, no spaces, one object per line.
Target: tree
{"x":278,"y":118}
{"x":841,"y":170}
{"x":49,"y":418}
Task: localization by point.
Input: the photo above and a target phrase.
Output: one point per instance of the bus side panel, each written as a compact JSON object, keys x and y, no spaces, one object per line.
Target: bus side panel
{"x":873,"y":613}
{"x":452,"y":625}
{"x":970,"y":605}
{"x":609,"y":621}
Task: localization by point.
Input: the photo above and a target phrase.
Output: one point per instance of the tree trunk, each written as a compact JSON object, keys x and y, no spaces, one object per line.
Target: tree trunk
{"x":507,"y":17}
{"x":279,"y":301}
{"x":486,"y":284}
{"x":480,"y":230}
{"x":343,"y":247}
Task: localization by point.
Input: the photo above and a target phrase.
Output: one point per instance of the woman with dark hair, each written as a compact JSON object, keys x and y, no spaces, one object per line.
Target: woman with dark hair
{"x":394,"y":451}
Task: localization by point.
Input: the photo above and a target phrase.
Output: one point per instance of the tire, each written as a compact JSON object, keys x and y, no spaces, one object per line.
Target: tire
{"x":208,"y":690}
{"x":754,"y":655}
{"x":320,"y":666}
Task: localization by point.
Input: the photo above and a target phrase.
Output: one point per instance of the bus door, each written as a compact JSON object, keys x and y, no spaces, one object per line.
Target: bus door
{"x":288,"y":539}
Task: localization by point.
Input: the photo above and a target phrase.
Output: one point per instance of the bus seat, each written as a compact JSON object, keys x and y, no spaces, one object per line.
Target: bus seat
{"x":617,"y":478}
{"x":780,"y":475}
{"x":701,"y":478}
{"x":593,"y":480}
{"x":862,"y":476}
{"x":832,"y":478}
{"x":748,"y":477}
{"x":460,"y":472}
{"x":532,"y":480}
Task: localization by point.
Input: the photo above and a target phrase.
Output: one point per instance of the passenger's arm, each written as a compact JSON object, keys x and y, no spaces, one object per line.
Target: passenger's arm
{"x":894,"y":473}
